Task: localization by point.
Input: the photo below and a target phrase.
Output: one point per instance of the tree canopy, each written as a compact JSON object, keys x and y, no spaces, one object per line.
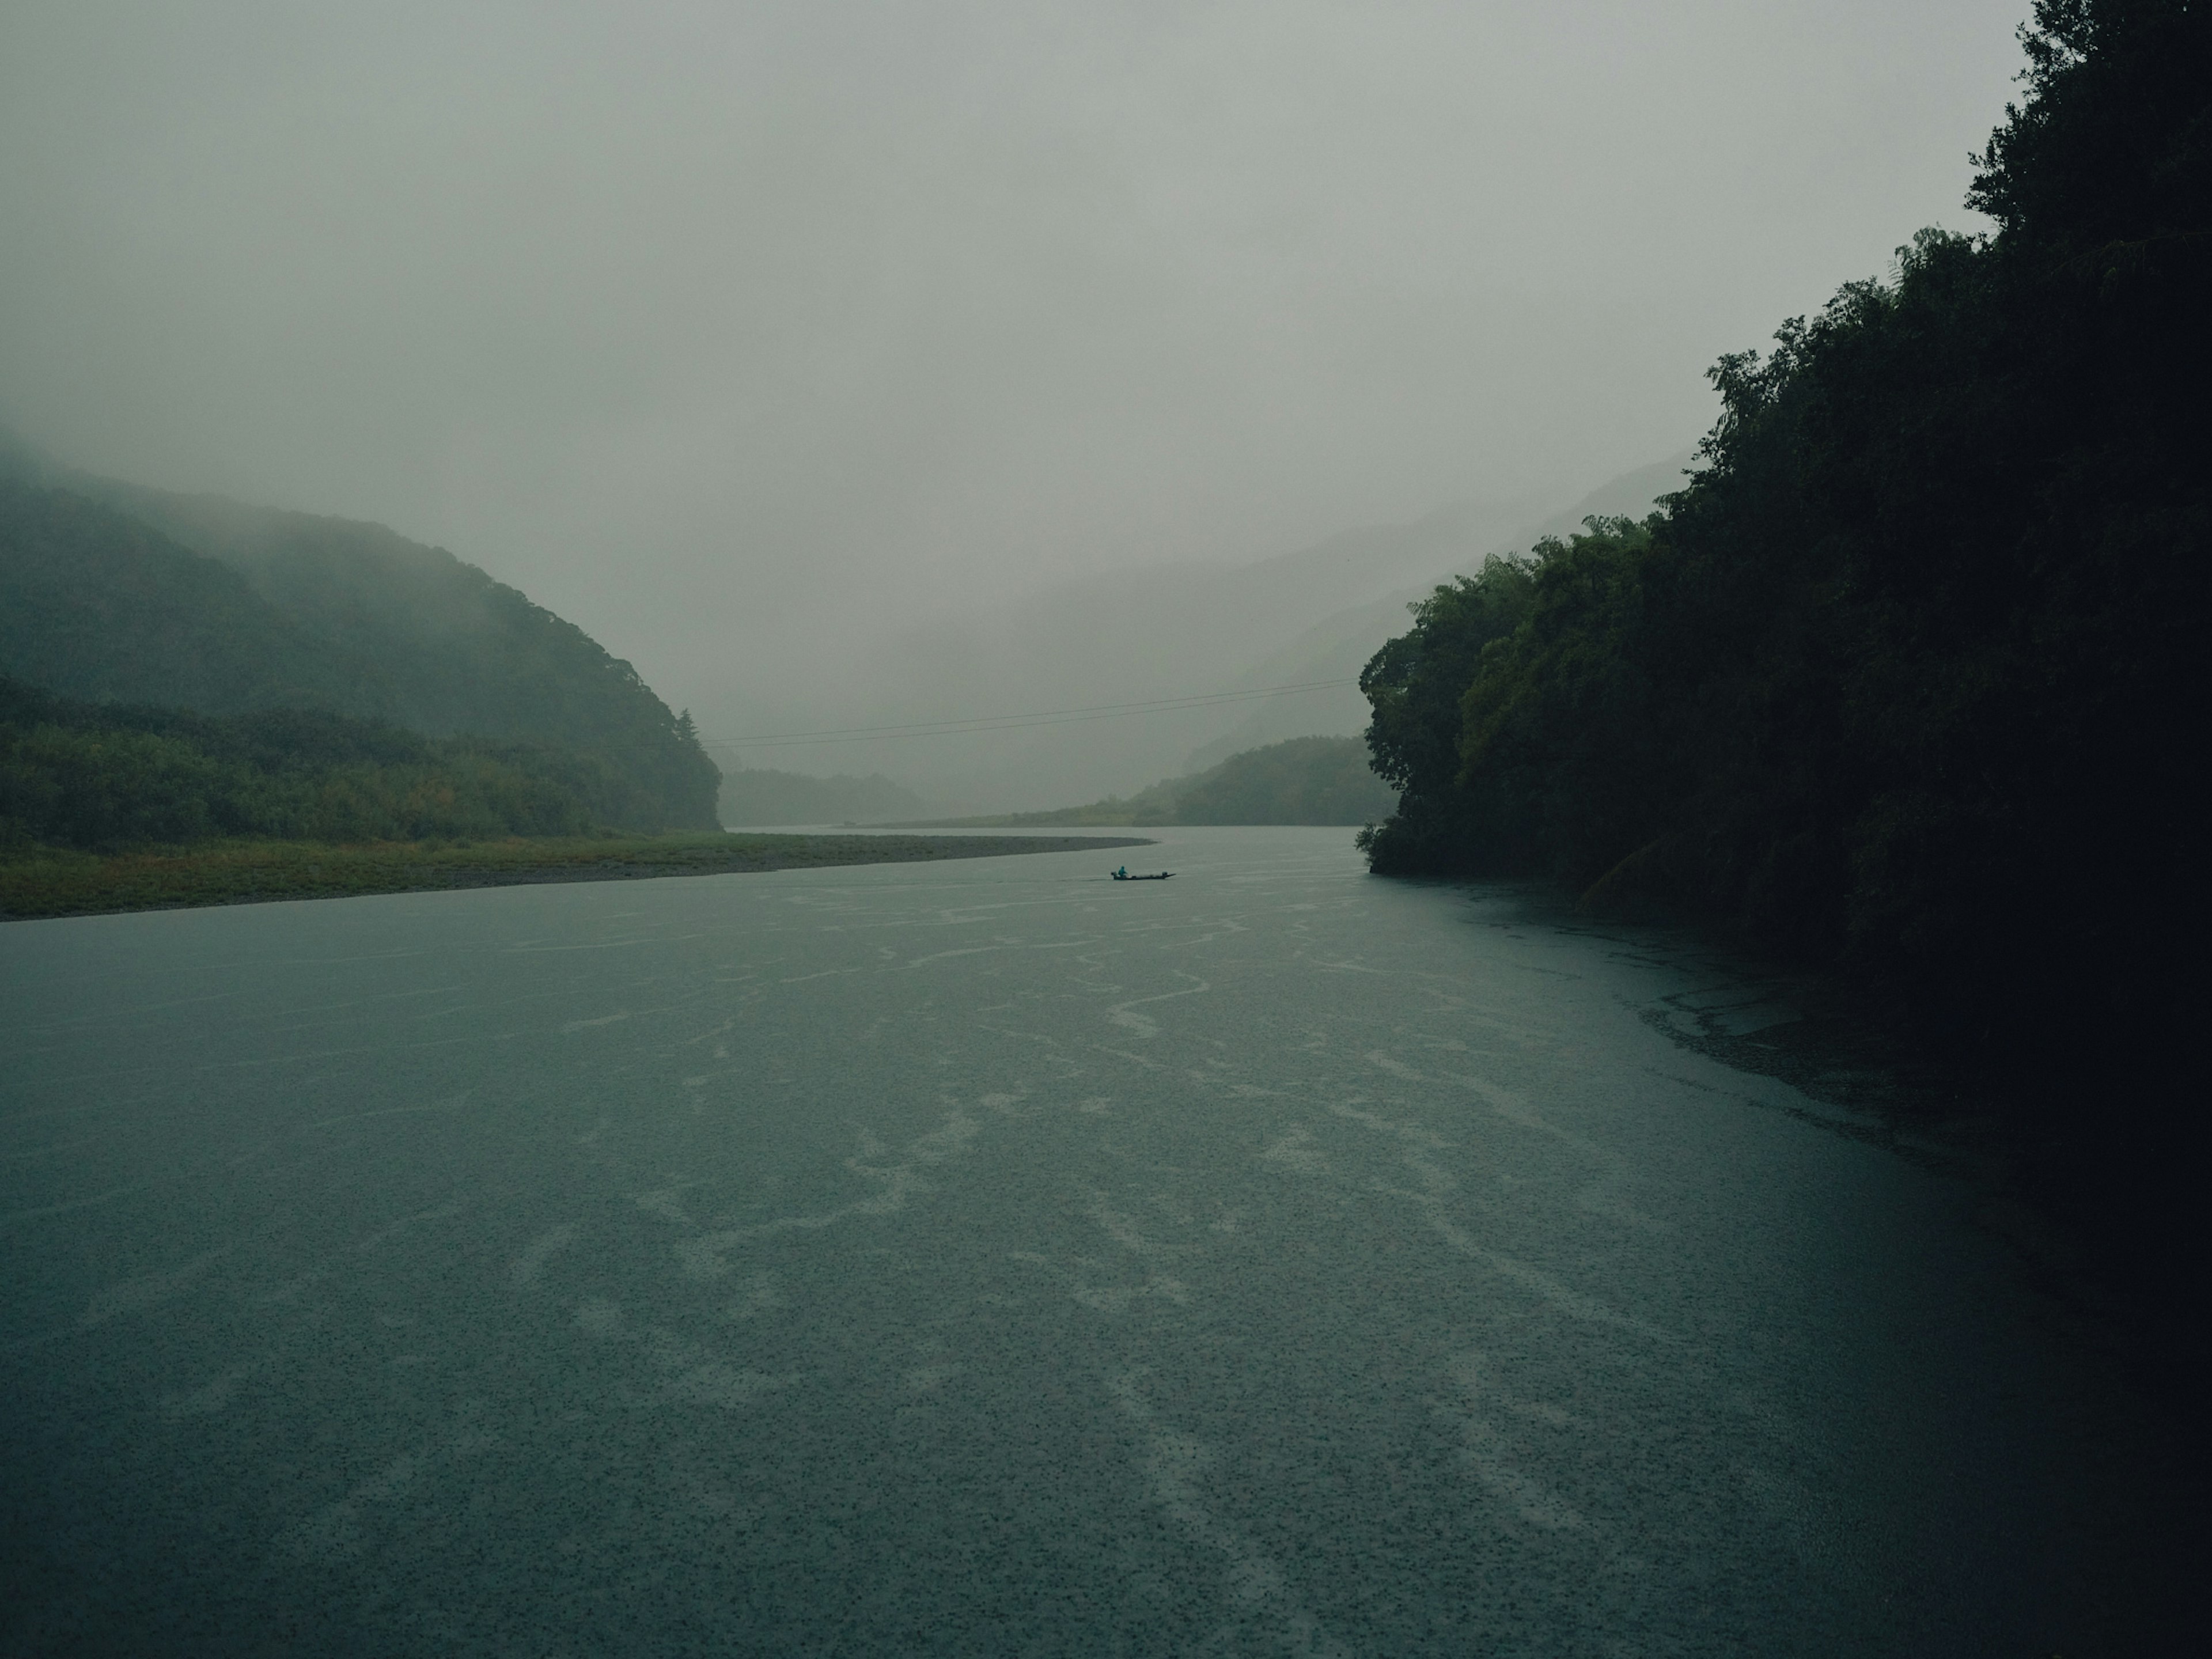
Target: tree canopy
{"x":106,"y":777}
{"x":1908,"y":678}
{"x":109,"y":593}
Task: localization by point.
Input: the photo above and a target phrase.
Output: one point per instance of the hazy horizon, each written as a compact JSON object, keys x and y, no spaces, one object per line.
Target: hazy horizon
{"x":749,"y":343}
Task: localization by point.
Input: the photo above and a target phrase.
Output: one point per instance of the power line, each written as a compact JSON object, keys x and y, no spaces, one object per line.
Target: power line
{"x":1016,"y":722}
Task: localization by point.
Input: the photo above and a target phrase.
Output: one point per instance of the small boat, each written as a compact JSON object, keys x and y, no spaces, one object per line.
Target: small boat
{"x":1123,"y":875}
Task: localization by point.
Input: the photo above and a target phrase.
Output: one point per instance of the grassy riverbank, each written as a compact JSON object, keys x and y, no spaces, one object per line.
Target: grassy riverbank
{"x":42,"y":881}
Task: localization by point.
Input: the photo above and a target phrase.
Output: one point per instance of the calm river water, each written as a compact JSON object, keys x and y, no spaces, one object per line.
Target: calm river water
{"x":989,"y":1258}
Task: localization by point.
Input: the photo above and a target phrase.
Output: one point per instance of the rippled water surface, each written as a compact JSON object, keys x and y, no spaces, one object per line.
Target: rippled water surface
{"x":990,"y":1258}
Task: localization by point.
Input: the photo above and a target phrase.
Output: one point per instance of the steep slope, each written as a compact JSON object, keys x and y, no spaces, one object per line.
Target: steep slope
{"x":98,"y":606}
{"x":113,"y":592}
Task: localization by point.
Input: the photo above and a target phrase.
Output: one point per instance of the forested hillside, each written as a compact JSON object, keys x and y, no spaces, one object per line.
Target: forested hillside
{"x":96,"y":605}
{"x":102,"y":777}
{"x":1298,"y":780}
{"x":109,"y":593}
{"x":1911,"y":677}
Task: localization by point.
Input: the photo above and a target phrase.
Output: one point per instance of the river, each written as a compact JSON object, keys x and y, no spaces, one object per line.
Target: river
{"x":992,"y":1258}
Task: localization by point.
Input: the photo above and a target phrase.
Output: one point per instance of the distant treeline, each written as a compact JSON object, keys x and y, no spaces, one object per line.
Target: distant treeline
{"x":106,"y":777}
{"x":1912,"y":677}
{"x":109,"y":593}
{"x":1300,"y":781}
{"x":1318,"y":781}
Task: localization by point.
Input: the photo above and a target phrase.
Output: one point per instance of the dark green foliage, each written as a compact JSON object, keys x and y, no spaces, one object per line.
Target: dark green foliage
{"x":1300,"y":781}
{"x":1415,"y":684}
{"x":104,"y":777}
{"x":97,"y":605}
{"x":113,"y":594}
{"x":1909,"y":678}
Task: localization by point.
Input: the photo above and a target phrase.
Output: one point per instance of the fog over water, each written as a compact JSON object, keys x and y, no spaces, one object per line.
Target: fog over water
{"x":747,"y":336}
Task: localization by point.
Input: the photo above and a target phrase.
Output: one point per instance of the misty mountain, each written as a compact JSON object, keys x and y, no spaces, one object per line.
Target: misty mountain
{"x":99,"y":607}
{"x":1310,"y":780}
{"x":1301,"y":781}
{"x":1162,"y":631}
{"x":113,"y":593}
{"x":1316,"y":614}
{"x":1341,"y":644}
{"x":758,"y":796}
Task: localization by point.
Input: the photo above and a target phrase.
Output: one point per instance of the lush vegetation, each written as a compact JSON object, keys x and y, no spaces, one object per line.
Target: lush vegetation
{"x":1910,"y":678}
{"x":112,"y":594}
{"x":759,"y":795}
{"x":1299,"y":781}
{"x":102,"y":777}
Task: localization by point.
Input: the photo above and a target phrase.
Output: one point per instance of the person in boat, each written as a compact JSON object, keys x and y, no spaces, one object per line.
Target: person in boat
{"x":1123,"y":872}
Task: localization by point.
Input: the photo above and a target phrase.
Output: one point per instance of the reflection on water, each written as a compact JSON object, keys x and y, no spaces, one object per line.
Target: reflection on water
{"x":994,"y":1257}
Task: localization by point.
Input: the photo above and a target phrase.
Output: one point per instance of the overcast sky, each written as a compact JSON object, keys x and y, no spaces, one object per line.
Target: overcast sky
{"x":733,"y":332}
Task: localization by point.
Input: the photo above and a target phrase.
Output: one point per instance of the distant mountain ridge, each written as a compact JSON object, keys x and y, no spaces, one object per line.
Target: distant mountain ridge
{"x":1305,"y":781}
{"x":1340,"y":645}
{"x":115,"y":593}
{"x":1314,"y":614}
